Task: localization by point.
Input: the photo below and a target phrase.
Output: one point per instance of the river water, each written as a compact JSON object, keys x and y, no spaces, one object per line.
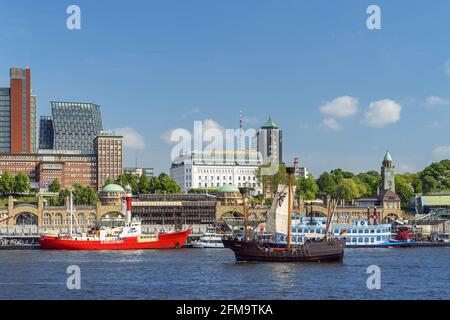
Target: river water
{"x":406,"y":273}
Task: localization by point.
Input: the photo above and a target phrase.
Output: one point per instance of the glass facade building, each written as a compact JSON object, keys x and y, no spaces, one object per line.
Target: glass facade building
{"x":5,"y":120}
{"x":33,"y":125}
{"x":46,"y":133}
{"x":75,"y":125}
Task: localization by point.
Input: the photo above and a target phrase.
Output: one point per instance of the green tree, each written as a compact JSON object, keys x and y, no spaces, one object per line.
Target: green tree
{"x":307,"y":188}
{"x":21,"y":183}
{"x":143,"y":184}
{"x":55,"y":186}
{"x":429,"y":184}
{"x":6,"y":184}
{"x":326,"y":184}
{"x":128,"y":179}
{"x":370,"y":180}
{"x":404,"y":190}
{"x":60,"y":199}
{"x":164,"y":185}
{"x":347,"y":190}
{"x":108,"y":181}
{"x":84,"y":195}
{"x":272,"y":181}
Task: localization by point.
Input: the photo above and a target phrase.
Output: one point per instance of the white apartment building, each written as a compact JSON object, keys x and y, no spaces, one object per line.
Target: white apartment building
{"x":214,"y":169}
{"x":301,"y":172}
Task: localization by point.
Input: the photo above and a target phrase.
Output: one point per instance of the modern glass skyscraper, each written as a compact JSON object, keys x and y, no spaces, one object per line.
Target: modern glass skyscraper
{"x":33,"y":125}
{"x":75,"y":125}
{"x":46,"y":133}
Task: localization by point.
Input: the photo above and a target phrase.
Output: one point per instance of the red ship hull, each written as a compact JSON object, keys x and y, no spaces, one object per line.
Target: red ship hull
{"x":164,"y":241}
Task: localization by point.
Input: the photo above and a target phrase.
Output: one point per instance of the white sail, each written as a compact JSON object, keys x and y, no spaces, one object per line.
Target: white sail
{"x":277,"y":216}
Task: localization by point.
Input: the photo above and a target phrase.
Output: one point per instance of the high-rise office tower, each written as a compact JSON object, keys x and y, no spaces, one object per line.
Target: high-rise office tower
{"x":75,"y":125}
{"x":270,"y":142}
{"x":18,"y":107}
{"x":109,"y":149}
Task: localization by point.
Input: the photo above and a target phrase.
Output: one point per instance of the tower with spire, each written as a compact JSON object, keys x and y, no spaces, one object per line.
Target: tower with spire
{"x":388,"y":173}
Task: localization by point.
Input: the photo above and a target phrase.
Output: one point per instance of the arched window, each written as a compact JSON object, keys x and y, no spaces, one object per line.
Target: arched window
{"x":26,"y":219}
{"x":47,"y":219}
{"x":81,"y":220}
{"x":58,"y":219}
{"x":92,"y":219}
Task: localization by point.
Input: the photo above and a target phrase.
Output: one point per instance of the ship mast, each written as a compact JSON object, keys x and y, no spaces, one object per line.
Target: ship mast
{"x":243,"y":191}
{"x":290,"y":171}
{"x":70,"y":213}
{"x":330,"y":216}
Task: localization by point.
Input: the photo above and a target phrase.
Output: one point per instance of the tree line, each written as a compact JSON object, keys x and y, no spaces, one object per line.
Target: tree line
{"x":10,"y":184}
{"x":162,"y":184}
{"x":347,"y":185}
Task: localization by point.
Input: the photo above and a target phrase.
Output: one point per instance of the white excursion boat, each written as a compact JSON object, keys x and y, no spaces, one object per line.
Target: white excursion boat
{"x":209,"y":239}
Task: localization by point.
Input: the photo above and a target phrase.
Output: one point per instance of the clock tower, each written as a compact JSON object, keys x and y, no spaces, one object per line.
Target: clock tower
{"x":388,"y":173}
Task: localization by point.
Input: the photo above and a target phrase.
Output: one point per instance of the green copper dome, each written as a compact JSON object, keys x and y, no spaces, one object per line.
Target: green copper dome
{"x":270,"y":124}
{"x":228,"y":188}
{"x":388,"y":157}
{"x":113,"y":188}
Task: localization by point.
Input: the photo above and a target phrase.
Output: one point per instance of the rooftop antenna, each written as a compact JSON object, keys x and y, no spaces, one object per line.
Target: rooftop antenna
{"x":241,"y":138}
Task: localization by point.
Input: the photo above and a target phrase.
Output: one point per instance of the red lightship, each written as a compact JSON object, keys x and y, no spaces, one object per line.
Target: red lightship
{"x":128,"y":237}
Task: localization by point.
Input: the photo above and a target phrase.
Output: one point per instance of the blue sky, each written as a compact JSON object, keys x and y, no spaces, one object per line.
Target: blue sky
{"x":158,"y":65}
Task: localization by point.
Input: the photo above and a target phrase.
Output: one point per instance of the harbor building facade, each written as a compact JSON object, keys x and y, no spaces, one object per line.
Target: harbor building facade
{"x":70,"y":166}
{"x":75,"y":125}
{"x":18,"y":114}
{"x":34,"y":218}
{"x":214,"y":169}
{"x":170,"y":212}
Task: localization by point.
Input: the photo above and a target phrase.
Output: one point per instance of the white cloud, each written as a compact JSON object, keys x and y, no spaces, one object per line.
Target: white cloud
{"x":131,"y":138}
{"x":342,"y":107}
{"x":251,"y":120}
{"x":191,"y":112}
{"x":434,"y":101}
{"x":447,"y":67}
{"x":331,"y":124}
{"x":442,"y":152}
{"x":211,"y":124}
{"x":207,"y":124}
{"x":405,"y":168}
{"x":382,"y":113}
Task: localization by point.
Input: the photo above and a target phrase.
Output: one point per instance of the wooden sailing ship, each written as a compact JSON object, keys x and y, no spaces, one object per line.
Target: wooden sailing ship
{"x":328,"y":249}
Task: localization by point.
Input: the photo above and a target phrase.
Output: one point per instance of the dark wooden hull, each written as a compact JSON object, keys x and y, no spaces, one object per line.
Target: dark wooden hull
{"x":319,"y":251}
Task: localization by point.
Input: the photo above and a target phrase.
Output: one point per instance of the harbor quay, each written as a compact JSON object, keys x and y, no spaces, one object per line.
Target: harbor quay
{"x":26,"y":221}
